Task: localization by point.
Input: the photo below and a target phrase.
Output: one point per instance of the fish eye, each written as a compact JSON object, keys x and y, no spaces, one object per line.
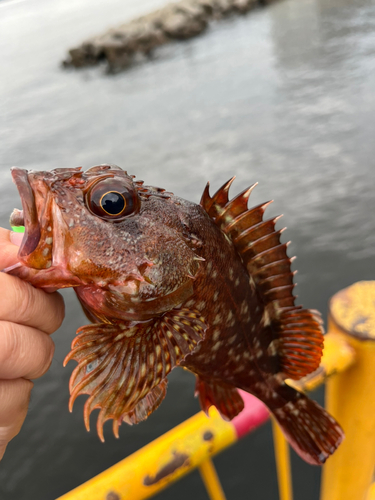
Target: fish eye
{"x":112,"y":199}
{"x":113,"y":203}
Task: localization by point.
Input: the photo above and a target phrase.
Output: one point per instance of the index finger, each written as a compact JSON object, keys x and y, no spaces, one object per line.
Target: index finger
{"x":22,"y":303}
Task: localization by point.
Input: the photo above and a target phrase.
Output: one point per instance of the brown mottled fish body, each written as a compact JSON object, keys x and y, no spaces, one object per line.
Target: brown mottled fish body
{"x":170,"y":283}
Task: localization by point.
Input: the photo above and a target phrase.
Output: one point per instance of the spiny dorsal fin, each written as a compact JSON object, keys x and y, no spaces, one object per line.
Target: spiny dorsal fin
{"x":256,"y":241}
{"x":120,"y":364}
{"x":299,"y":333}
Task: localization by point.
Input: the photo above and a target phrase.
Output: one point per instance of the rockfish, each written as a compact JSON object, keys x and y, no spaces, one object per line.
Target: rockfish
{"x":165,"y":283}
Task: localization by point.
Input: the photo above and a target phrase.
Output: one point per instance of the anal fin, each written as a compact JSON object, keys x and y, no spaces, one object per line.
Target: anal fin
{"x":224,"y":397}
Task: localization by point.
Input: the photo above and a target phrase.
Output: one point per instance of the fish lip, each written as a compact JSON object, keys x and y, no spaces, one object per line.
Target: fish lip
{"x":32,"y":228}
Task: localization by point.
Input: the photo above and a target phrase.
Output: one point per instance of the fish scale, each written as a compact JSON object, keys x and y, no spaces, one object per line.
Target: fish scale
{"x":168,"y":283}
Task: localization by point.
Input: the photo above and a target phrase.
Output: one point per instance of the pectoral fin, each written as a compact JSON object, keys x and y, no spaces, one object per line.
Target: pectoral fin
{"x":120,"y":364}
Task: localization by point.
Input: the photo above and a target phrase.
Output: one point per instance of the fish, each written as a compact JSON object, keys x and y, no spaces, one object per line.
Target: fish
{"x":166,"y":282}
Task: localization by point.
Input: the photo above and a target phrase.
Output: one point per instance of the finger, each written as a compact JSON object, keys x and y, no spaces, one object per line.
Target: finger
{"x":24,"y":351}
{"x":26,"y":305}
{"x":9,"y":246}
{"x":8,"y":250}
{"x":16,"y":238}
{"x":14,"y":397}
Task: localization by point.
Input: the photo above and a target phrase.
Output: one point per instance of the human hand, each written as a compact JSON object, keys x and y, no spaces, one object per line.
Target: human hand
{"x":27,"y":317}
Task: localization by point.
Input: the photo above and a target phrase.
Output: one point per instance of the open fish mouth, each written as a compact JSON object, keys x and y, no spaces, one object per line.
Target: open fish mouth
{"x":28,"y":217}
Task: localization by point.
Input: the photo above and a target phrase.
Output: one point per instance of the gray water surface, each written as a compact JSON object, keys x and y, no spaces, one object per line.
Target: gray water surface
{"x":284,"y":96}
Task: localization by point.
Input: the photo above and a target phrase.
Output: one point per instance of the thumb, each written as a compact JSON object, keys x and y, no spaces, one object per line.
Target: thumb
{"x":16,"y":238}
{"x":9,"y":242}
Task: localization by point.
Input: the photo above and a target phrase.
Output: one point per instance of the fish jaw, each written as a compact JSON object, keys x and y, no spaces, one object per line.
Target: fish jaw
{"x":42,"y":259}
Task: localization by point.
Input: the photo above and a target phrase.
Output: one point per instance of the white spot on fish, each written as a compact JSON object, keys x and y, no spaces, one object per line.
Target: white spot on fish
{"x":272,"y":349}
{"x":217,"y":345}
{"x":216,"y":334}
{"x":232,"y":322}
{"x":259,"y":353}
{"x":266,"y":320}
{"x":244,"y":308}
{"x":217,"y":319}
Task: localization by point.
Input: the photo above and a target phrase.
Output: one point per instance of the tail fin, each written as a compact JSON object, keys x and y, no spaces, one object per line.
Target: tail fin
{"x":310,"y":430}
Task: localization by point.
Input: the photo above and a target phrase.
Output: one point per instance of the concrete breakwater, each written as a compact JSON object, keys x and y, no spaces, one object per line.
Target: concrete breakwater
{"x":120,"y":46}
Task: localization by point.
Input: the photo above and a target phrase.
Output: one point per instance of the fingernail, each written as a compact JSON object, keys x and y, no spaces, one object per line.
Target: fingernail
{"x":16,"y":238}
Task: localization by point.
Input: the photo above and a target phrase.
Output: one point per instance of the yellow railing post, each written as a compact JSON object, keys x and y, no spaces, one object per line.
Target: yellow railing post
{"x":211,"y":480}
{"x":282,"y":456}
{"x":350,"y":396}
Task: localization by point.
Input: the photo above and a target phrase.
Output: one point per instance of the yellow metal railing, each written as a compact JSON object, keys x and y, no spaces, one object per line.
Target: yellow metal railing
{"x":348,"y":364}
{"x":350,"y":396}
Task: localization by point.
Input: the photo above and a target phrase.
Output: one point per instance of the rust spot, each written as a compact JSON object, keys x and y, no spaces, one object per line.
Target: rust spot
{"x":177,"y":461}
{"x":112,"y":495}
{"x":208,"y":436}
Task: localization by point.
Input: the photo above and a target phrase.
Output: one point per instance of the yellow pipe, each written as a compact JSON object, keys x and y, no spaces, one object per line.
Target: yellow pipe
{"x":350,"y":396}
{"x":284,"y":476}
{"x":371,"y":493}
{"x":161,"y":462}
{"x":211,"y":480}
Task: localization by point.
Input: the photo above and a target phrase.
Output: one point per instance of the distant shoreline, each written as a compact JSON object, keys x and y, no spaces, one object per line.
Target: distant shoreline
{"x":120,"y":46}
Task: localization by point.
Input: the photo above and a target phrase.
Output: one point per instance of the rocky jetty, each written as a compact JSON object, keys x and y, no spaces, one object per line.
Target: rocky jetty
{"x":120,"y":46}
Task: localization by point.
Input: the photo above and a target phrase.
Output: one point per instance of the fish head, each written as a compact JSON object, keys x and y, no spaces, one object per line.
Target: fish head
{"x":101,"y":231}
